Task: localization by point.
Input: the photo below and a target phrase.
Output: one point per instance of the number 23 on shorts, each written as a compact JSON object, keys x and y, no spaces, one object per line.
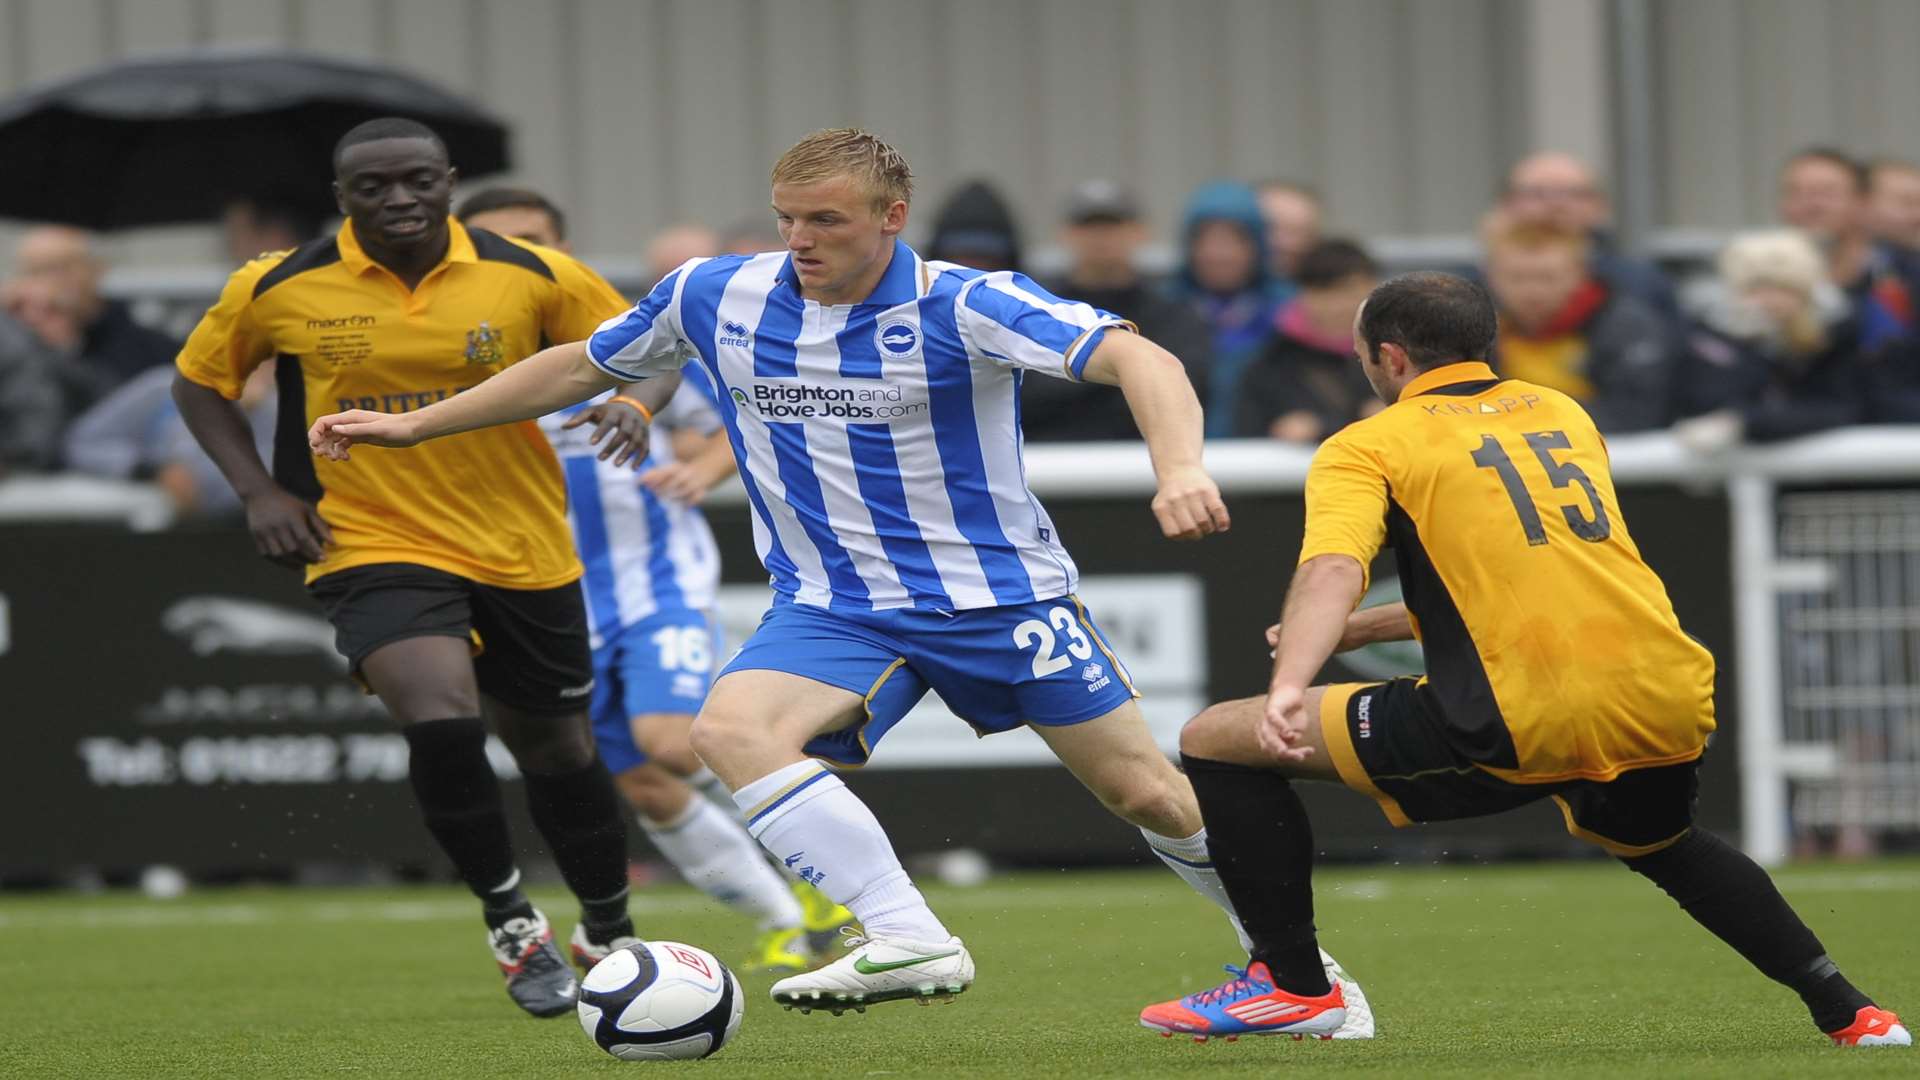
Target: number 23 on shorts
{"x":1039,"y":636}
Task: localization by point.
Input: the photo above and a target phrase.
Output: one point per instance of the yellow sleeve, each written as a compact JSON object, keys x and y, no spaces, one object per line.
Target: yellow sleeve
{"x":1346,"y":505}
{"x":228,"y":344}
{"x":579,"y":302}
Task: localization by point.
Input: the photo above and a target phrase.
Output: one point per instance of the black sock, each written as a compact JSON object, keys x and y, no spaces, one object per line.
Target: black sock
{"x":506,"y":903}
{"x":1730,"y":895}
{"x":579,"y":814}
{"x":1262,"y":846}
{"x":460,"y":801}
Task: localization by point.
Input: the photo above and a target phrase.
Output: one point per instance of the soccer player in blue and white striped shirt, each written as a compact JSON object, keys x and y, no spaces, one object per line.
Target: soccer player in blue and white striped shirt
{"x":872,"y":401}
{"x":651,"y":580}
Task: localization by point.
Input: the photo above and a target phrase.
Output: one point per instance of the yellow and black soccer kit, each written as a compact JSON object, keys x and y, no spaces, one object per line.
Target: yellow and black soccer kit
{"x":465,"y":535}
{"x":1555,"y":664}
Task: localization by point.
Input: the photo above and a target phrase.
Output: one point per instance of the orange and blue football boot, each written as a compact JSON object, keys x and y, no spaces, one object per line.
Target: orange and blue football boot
{"x":1248,"y":1004}
{"x":1872,"y":1026}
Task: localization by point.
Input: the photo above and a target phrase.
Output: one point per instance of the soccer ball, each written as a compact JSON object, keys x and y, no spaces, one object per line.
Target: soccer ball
{"x":660,"y":1001}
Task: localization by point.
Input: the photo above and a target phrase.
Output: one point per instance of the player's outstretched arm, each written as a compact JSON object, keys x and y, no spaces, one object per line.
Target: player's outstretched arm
{"x":1368,"y":626}
{"x":1324,"y":590}
{"x":1164,"y":407}
{"x":548,"y":380}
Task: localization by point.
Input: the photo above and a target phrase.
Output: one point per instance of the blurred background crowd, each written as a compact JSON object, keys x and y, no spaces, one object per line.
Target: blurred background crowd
{"x":1809,"y":323}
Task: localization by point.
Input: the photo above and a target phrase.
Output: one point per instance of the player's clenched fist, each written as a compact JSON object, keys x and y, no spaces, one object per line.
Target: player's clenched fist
{"x":331,"y":435}
{"x":1188,"y":505}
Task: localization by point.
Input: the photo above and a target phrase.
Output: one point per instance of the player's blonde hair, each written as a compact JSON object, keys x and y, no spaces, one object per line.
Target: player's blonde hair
{"x":863,"y":155}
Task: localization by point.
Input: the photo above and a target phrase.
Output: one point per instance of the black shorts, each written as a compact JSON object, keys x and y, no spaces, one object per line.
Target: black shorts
{"x":530,"y":645}
{"x":1388,"y":742}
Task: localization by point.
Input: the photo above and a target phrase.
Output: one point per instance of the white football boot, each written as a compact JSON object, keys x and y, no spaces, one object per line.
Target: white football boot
{"x":588,"y":952}
{"x":880,"y":969}
{"x":1359,"y":1021}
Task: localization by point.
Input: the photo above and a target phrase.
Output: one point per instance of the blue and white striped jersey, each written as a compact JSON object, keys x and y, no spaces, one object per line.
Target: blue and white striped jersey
{"x":879,"y":442}
{"x":643,"y":554}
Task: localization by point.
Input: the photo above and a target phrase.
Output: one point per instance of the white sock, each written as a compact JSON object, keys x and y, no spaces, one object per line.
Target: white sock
{"x":711,"y":850}
{"x":822,"y":833}
{"x":1189,"y":858}
{"x":715,"y":790}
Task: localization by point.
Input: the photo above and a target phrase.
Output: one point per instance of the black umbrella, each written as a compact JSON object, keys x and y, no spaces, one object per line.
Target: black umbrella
{"x":176,"y":138}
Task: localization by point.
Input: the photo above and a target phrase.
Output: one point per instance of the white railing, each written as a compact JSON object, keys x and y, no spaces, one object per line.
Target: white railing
{"x":1750,"y":476}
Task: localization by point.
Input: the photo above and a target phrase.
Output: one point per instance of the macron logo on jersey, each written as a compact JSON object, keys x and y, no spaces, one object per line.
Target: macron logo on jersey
{"x":736,"y":334}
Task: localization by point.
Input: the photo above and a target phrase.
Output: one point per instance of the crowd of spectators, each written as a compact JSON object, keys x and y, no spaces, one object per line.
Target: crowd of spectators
{"x":1795,"y":328}
{"x":1810,"y":324}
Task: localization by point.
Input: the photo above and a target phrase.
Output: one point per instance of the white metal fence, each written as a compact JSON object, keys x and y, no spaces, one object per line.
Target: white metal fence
{"x":1825,"y":585}
{"x":1850,"y":639}
{"x":1826,"y":595}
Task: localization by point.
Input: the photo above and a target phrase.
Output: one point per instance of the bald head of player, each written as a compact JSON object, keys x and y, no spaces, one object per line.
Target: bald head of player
{"x":1416,"y":322}
{"x":393,"y":180}
{"x":840,"y":198}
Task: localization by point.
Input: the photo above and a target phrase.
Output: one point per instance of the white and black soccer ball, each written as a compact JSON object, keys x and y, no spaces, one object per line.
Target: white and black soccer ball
{"x":660,"y":1001}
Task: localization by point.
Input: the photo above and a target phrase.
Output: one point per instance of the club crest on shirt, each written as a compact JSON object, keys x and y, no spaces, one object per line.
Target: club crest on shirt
{"x":484,"y":345}
{"x":897,"y":338}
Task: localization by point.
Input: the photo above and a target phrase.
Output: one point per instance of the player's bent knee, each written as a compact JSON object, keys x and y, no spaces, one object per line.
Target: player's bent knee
{"x":713,"y":734}
{"x":549,"y":744}
{"x":1152,"y":802}
{"x":558,"y":756}
{"x":679,"y":760}
{"x":653,"y":793}
{"x":1215,"y":732}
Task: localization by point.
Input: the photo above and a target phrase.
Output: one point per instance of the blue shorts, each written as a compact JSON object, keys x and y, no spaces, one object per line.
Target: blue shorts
{"x":661,"y":664}
{"x":1044,"y":663}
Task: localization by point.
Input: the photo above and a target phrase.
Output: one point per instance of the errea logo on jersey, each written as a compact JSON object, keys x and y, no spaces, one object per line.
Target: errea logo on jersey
{"x":1096,"y":677}
{"x":897,"y":338}
{"x":736,"y":334}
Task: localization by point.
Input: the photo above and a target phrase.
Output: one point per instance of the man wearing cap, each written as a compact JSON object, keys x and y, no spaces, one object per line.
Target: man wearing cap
{"x":1101,"y":234}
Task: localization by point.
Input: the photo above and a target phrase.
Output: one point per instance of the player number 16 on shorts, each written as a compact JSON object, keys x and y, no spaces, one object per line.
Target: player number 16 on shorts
{"x":684,"y":648}
{"x":1033,"y":631}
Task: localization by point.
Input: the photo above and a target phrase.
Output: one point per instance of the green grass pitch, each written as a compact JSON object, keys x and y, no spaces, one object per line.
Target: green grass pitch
{"x":1561,"y":970}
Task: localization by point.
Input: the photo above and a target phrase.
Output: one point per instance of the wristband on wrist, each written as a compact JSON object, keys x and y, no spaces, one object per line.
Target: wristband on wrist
{"x":645,"y":413}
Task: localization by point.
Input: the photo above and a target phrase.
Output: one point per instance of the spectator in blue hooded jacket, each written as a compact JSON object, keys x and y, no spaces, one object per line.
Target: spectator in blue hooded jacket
{"x":1225,"y":274}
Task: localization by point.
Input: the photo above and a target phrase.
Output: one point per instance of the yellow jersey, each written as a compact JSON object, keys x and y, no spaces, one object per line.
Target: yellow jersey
{"x":489,"y":505}
{"x":1552,"y":649}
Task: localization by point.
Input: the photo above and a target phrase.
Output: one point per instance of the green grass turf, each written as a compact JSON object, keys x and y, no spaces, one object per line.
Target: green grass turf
{"x":1561,"y":970}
